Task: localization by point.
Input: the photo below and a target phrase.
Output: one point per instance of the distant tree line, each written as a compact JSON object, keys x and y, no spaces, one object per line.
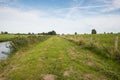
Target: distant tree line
{"x":93,"y":31}
{"x":43,"y":33}
{"x":4,"y":32}
{"x":48,"y":33}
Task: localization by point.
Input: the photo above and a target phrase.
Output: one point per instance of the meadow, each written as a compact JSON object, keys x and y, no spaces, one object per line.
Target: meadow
{"x":6,"y":37}
{"x":9,"y":37}
{"x":65,"y":57}
{"x":106,"y":45}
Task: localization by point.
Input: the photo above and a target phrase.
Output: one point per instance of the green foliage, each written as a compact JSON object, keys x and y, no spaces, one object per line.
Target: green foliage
{"x":48,"y":33}
{"x":94,"y":31}
{"x":20,"y":42}
{"x":52,"y":33}
{"x":101,"y":44}
{"x":75,"y":33}
{"x":4,"y":32}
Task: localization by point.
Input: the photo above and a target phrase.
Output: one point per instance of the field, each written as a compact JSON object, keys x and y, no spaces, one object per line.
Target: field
{"x":100,"y":43}
{"x":6,"y":37}
{"x":66,"y":57}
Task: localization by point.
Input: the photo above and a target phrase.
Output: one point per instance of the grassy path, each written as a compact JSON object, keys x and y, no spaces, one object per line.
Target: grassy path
{"x":59,"y":59}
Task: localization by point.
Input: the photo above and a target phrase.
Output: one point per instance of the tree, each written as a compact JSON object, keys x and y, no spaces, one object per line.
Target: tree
{"x":43,"y":33}
{"x":4,"y":32}
{"x":32,"y":33}
{"x":94,"y":31}
{"x":75,"y":33}
{"x":29,"y":33}
{"x":52,"y":33}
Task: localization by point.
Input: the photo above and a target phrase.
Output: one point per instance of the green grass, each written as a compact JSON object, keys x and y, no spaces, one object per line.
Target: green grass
{"x":62,"y":59}
{"x":6,"y":37}
{"x":9,"y":37}
{"x":101,"y":44}
{"x":24,"y":41}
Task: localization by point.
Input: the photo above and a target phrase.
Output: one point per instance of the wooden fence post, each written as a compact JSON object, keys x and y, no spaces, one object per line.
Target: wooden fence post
{"x":116,"y":44}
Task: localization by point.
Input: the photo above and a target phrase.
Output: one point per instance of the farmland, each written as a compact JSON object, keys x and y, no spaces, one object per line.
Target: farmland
{"x":66,"y":57}
{"x":6,"y":37}
{"x":100,"y":43}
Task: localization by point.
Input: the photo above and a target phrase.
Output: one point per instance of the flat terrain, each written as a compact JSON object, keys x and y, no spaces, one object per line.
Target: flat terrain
{"x":6,"y":37}
{"x":58,"y":59}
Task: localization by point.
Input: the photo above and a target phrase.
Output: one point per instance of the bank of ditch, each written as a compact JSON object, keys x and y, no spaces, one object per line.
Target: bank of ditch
{"x":21,"y":44}
{"x":58,"y":59}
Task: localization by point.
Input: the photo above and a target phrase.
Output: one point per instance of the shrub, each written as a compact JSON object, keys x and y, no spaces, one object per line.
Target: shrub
{"x":94,"y":31}
{"x":21,"y":42}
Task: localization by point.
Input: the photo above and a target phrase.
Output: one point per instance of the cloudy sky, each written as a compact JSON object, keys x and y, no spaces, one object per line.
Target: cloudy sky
{"x":63,"y":16}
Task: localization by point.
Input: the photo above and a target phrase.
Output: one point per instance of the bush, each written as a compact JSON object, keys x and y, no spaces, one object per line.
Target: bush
{"x":94,"y":31}
{"x":21,"y":42}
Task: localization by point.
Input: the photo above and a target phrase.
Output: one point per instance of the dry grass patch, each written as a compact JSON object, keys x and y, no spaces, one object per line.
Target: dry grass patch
{"x":49,"y":77}
{"x":72,"y":53}
{"x":68,"y":72}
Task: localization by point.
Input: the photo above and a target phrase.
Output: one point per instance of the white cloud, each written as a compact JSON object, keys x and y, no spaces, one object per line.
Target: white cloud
{"x":106,"y":6}
{"x":15,"y":20}
{"x":113,"y":5}
{"x":108,"y":23}
{"x":116,"y":3}
{"x":7,"y":1}
{"x":3,"y":0}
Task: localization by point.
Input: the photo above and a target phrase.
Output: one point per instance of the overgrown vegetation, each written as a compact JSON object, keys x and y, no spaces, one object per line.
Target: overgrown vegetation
{"x":59,"y":59}
{"x":101,"y":44}
{"x":20,"y":42}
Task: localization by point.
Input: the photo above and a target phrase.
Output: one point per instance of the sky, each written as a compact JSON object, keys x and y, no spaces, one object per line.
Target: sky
{"x":63,"y":16}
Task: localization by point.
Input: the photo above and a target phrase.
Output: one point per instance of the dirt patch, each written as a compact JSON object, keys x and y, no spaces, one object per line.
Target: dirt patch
{"x":2,"y":76}
{"x":91,"y":77}
{"x":88,"y":77}
{"x":90,"y":63}
{"x":2,"y":79}
{"x":68,"y":72}
{"x":49,"y":77}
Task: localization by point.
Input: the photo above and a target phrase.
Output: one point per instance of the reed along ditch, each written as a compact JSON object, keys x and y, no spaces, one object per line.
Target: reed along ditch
{"x":18,"y":43}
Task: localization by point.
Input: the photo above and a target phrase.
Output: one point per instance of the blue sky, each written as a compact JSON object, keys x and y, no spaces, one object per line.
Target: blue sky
{"x":63,"y":16}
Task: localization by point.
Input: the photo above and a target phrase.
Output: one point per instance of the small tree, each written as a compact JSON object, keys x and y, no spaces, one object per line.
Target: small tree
{"x":75,"y":33}
{"x":94,"y":31}
{"x":29,"y":33}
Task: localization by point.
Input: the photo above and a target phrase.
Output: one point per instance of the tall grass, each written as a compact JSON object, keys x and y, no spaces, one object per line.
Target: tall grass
{"x":101,"y":44}
{"x":21,"y":42}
